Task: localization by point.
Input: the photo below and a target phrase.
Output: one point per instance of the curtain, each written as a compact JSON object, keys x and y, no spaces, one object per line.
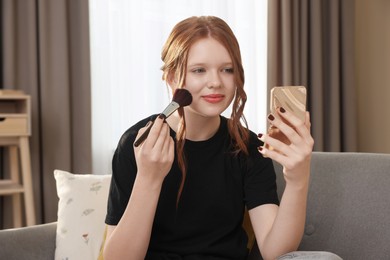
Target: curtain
{"x":311,"y":43}
{"x":126,"y":41}
{"x":45,"y":46}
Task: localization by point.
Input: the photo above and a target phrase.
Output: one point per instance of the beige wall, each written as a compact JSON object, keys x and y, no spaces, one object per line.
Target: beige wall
{"x":373,"y":74}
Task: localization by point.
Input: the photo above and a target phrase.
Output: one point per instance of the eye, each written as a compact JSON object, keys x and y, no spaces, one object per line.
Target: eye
{"x":228,"y":70}
{"x":198,"y":70}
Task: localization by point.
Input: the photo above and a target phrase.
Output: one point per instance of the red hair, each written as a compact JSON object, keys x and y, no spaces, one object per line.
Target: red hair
{"x":175,"y":55}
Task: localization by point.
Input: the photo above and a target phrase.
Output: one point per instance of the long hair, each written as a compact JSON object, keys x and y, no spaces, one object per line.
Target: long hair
{"x":175,"y":55}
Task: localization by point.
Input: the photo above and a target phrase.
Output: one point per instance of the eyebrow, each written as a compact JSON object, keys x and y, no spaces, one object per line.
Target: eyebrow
{"x":204,"y":64}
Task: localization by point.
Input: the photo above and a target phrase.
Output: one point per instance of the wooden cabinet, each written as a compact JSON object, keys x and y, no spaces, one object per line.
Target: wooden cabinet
{"x":15,"y":115}
{"x":15,"y":129}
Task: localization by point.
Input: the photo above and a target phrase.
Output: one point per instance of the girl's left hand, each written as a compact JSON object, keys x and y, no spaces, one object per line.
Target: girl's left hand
{"x":296,"y":156}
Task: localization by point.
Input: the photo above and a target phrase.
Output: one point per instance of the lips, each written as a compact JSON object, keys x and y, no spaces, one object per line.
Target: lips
{"x":214,"y":98}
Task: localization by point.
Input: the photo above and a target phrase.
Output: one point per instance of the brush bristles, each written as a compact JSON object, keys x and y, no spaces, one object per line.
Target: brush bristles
{"x":182,"y":96}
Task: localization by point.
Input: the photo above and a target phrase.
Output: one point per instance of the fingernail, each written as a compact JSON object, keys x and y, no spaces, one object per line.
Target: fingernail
{"x":161,"y":116}
{"x":259,"y":135}
{"x":271,"y":117}
{"x":282,"y":110}
{"x":260,"y":148}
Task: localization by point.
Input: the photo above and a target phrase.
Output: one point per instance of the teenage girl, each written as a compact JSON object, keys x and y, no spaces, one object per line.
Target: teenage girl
{"x":182,"y":193}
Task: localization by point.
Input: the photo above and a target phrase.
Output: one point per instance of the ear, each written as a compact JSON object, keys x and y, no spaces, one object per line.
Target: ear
{"x":172,"y":81}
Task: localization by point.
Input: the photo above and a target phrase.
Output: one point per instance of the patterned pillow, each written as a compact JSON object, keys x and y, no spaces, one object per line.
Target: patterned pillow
{"x":81,"y":211}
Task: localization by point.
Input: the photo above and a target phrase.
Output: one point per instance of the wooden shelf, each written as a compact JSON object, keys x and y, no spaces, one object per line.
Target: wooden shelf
{"x":11,"y":92}
{"x":15,"y":129}
{"x":9,"y":187}
{"x":15,"y":115}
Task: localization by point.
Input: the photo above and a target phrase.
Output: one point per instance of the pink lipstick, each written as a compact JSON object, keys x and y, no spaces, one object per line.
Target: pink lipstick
{"x":214,"y":98}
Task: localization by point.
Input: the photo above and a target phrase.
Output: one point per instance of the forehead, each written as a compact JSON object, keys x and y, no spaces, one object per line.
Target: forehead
{"x":208,"y":50}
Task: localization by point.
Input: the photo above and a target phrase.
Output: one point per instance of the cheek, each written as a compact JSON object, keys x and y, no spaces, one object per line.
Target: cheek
{"x":232,"y":89}
{"x":194,"y":84}
{"x":231,"y":98}
{"x":228,"y":81}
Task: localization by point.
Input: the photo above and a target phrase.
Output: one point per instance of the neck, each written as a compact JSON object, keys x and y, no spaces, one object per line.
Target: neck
{"x":198,"y":128}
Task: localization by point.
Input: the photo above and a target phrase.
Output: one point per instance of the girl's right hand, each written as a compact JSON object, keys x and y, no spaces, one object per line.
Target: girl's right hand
{"x":155,"y":155}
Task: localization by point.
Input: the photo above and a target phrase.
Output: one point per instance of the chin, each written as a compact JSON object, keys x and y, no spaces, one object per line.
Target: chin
{"x":207,"y":111}
{"x":213,"y":113}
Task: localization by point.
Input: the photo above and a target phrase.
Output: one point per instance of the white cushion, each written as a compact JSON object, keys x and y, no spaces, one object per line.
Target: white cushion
{"x":81,"y":212}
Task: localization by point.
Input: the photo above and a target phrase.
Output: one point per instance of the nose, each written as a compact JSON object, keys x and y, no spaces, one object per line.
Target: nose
{"x":214,"y":80}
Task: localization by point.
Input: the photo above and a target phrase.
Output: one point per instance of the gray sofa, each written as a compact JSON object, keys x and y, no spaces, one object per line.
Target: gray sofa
{"x":348,"y":212}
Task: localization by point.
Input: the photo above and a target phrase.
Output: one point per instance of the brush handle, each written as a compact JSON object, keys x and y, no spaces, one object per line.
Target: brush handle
{"x":145,"y":134}
{"x":172,"y":107}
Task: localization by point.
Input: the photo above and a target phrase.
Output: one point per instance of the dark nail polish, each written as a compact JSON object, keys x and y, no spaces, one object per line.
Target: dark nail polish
{"x":161,"y":116}
{"x":259,"y":135}
{"x":260,"y":148}
{"x":271,"y":117}
{"x":282,"y":110}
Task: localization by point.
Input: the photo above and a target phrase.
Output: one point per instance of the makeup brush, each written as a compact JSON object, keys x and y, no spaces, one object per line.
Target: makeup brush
{"x":181,"y":98}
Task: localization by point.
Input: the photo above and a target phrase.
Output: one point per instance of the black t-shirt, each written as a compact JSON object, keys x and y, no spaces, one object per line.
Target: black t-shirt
{"x":207,"y":222}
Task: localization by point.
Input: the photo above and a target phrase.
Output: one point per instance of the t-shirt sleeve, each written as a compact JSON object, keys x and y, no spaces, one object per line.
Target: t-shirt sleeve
{"x":124,"y":171}
{"x":260,"y":178}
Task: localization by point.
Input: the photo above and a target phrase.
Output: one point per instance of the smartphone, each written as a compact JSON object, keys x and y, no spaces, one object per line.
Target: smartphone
{"x":292,"y":99}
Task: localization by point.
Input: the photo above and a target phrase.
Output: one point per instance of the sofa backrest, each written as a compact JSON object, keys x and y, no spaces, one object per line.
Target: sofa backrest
{"x":348,"y":209}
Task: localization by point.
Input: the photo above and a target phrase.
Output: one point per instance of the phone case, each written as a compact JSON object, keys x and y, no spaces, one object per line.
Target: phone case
{"x":292,"y":99}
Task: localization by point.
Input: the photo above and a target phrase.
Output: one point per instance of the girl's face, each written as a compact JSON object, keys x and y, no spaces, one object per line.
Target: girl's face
{"x":209,"y":78}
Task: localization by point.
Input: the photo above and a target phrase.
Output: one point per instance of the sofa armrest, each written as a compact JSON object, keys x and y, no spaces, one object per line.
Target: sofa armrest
{"x":34,"y":242}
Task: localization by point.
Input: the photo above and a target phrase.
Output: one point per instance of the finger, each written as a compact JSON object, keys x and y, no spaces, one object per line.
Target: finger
{"x":159,"y":144}
{"x":307,"y":120}
{"x":168,"y":149}
{"x":286,"y":129}
{"x":299,"y":135}
{"x":171,"y":150}
{"x":142,"y":133}
{"x":276,"y":144}
{"x":167,"y":140}
{"x":307,"y":134}
{"x":301,"y":127}
{"x":297,"y":124}
{"x":154,"y":134}
{"x":284,"y":154}
{"x":274,"y":155}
